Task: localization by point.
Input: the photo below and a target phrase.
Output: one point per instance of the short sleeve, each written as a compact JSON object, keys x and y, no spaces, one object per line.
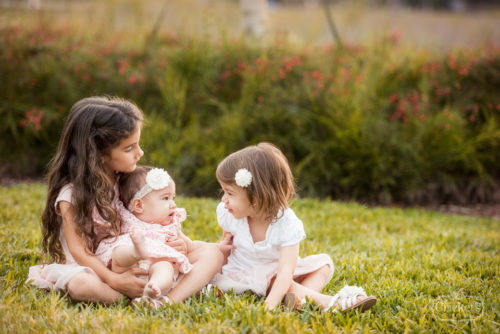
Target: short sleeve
{"x":224,"y":218}
{"x":66,"y":195}
{"x":291,"y":229}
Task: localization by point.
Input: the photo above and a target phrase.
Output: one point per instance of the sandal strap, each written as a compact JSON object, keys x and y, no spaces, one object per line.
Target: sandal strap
{"x":345,"y":298}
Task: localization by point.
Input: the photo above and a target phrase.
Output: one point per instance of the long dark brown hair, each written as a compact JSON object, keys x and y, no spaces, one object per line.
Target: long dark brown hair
{"x":273,"y":185}
{"x":94,"y":126}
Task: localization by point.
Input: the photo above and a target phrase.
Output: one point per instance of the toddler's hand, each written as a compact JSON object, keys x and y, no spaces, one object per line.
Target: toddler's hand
{"x":177,"y":244}
{"x":226,"y":244}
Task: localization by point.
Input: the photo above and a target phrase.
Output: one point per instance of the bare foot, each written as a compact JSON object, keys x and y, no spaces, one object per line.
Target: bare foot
{"x":152,"y":290}
{"x":139,"y":240}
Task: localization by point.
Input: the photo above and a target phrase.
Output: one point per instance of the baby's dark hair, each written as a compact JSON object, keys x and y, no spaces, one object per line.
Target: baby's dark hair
{"x":272,"y":185}
{"x":131,"y":183}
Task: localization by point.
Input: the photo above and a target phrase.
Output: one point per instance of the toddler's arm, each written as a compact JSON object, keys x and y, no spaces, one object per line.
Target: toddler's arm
{"x":126,"y":283}
{"x":284,"y":277}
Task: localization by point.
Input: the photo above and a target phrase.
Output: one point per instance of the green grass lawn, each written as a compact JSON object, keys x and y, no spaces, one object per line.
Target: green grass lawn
{"x":431,"y":273}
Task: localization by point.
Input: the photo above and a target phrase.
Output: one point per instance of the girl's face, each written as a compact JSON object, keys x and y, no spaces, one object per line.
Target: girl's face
{"x":236,"y":201}
{"x":124,"y":157}
{"x":158,"y":206}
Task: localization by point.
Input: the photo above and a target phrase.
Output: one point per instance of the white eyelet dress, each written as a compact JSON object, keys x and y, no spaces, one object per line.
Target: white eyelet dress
{"x":251,"y":266}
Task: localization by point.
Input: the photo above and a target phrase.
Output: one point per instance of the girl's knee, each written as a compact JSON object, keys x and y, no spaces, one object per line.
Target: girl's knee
{"x":325,"y":270}
{"x":89,"y":288}
{"x":212,"y":252}
{"x":80,"y":286}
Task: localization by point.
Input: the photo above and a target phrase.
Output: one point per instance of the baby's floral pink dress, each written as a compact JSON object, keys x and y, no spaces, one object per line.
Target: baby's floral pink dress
{"x":156,"y":237}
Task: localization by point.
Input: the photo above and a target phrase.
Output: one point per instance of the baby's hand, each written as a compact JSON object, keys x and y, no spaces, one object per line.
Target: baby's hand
{"x":177,"y":244}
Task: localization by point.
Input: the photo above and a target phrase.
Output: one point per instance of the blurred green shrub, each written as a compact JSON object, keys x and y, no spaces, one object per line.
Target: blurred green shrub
{"x":372,"y":124}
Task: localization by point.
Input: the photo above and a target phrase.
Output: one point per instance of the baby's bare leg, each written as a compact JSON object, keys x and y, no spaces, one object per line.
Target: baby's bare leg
{"x":125,"y":256}
{"x":161,"y":277}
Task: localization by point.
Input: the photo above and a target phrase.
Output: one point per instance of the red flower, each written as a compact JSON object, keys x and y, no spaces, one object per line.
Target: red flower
{"x":33,"y":116}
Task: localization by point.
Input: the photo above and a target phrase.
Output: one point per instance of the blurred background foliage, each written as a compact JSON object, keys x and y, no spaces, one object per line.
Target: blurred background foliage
{"x":377,"y":121}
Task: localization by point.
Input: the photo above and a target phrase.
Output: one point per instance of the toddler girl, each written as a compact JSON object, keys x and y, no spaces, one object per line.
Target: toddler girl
{"x":258,"y":185}
{"x":151,"y":219}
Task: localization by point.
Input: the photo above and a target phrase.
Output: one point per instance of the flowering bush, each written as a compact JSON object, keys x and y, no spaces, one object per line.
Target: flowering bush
{"x":367,"y":123}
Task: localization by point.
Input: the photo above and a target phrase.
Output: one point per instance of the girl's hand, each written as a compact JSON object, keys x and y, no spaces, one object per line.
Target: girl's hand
{"x":128,"y":283}
{"x":178,"y":244}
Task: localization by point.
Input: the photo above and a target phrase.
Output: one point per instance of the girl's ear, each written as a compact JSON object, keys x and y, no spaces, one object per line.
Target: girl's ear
{"x":137,"y":205}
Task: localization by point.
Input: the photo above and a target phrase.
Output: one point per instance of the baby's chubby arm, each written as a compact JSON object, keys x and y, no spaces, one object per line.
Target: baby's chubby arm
{"x":126,"y":283}
{"x":284,"y":277}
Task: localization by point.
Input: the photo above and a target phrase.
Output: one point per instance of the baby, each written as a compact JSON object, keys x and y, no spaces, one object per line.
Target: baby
{"x":152,"y":219}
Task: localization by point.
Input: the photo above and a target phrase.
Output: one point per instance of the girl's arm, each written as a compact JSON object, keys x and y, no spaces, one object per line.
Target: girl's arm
{"x":126,"y":283}
{"x":189,"y":242}
{"x":284,"y":277}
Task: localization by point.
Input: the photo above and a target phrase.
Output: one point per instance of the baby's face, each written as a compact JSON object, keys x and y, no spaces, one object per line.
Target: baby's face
{"x":159,"y":206}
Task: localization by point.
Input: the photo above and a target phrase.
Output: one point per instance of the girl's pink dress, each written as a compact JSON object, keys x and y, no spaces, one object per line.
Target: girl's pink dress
{"x":56,"y":276}
{"x":156,"y":236}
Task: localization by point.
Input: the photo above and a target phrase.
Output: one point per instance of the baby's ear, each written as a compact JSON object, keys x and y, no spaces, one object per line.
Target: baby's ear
{"x":137,"y":205}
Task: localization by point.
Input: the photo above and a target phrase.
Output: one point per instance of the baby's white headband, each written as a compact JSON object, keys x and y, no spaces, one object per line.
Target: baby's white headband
{"x":156,"y":179}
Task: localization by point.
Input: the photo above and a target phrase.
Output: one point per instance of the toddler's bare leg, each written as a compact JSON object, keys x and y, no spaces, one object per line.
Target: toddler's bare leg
{"x":316,"y":280}
{"x":320,"y":299}
{"x":161,"y":277}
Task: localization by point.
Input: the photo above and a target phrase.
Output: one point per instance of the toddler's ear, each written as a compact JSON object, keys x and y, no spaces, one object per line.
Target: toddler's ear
{"x":137,"y":205}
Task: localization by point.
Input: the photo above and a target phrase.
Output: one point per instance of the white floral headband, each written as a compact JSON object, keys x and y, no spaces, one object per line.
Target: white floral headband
{"x":243,"y":177}
{"x":156,"y":179}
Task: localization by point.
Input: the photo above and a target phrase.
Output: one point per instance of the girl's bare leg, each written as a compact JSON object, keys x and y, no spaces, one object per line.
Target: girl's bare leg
{"x":89,"y":288}
{"x":206,"y":259}
{"x":316,"y":280}
{"x":161,"y":277}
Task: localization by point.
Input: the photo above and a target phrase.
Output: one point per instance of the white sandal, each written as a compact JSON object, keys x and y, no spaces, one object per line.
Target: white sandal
{"x":347,"y":299}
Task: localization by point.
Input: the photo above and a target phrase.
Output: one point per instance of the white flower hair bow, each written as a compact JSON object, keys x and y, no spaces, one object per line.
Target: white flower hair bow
{"x":243,"y":177}
{"x":156,"y":178}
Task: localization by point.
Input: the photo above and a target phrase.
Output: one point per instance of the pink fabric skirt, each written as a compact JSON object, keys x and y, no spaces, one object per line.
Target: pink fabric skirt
{"x":259,"y":277}
{"x":55,"y":276}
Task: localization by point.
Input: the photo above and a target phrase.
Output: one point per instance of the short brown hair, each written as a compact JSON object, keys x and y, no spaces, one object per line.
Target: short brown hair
{"x":131,"y":183}
{"x":272,"y":186}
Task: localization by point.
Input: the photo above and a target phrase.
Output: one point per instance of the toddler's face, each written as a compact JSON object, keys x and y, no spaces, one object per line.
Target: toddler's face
{"x":159,"y":206}
{"x":236,"y":201}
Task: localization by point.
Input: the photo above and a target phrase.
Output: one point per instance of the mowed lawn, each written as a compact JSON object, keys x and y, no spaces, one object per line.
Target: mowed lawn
{"x":431,"y":273}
